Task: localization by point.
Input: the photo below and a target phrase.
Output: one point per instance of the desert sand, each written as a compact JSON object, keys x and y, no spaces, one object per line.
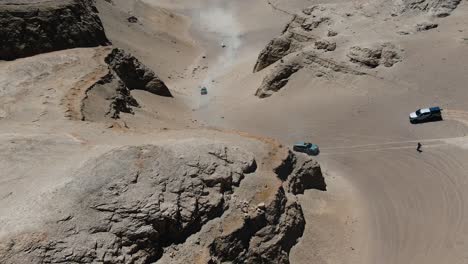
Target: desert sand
{"x":341,"y":74}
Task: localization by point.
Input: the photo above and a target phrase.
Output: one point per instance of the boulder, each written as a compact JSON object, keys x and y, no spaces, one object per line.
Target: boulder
{"x":325,"y":45}
{"x":425,"y":26}
{"x":385,"y":54}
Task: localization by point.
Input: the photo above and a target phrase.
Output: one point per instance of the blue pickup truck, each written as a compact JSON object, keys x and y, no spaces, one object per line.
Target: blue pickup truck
{"x":426,"y":115}
{"x":308,"y":148}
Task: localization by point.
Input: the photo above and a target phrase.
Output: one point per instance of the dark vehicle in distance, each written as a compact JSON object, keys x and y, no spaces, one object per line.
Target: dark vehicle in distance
{"x":204,"y":91}
{"x":426,"y":115}
{"x":308,"y":148}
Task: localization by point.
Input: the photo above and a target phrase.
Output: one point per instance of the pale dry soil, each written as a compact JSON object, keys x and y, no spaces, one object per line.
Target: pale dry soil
{"x":386,"y":203}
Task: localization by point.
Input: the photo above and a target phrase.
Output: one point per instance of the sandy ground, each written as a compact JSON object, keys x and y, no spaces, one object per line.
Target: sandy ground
{"x":386,"y":202}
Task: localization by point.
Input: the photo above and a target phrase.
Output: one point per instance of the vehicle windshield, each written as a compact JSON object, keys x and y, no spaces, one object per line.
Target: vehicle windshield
{"x":418,"y":112}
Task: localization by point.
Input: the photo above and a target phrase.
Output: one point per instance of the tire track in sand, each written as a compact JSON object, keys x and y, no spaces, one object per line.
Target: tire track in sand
{"x":417,"y":202}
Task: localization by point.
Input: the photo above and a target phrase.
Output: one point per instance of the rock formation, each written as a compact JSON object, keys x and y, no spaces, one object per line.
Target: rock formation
{"x":274,"y":82}
{"x":265,"y":237}
{"x":28,"y":28}
{"x":107,"y":98}
{"x":112,"y":94}
{"x":301,"y":46}
{"x":301,"y":173}
{"x":385,"y":54}
{"x":438,"y":8}
{"x":425,"y":26}
{"x":325,"y":45}
{"x":292,"y":39}
{"x":310,"y":38}
{"x":134,"y":74}
{"x":309,"y":60}
{"x":141,"y":204}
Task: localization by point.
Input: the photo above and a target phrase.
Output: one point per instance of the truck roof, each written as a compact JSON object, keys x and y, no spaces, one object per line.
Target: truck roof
{"x":430,"y":109}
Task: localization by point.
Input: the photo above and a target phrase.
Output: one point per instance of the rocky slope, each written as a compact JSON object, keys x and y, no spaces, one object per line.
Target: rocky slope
{"x":105,"y":195}
{"x":352,"y":37}
{"x":111,"y":94}
{"x":141,"y":204}
{"x":32,"y":27}
{"x":438,"y":8}
{"x":134,"y":74}
{"x":304,"y":60}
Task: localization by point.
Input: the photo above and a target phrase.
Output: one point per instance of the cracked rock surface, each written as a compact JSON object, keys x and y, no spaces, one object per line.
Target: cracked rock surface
{"x":438,"y":8}
{"x":134,"y":74}
{"x":32,"y":27}
{"x":111,"y":95}
{"x":385,"y":54}
{"x":351,"y":36}
{"x":309,"y":60}
{"x":128,"y":204}
{"x":142,"y":204}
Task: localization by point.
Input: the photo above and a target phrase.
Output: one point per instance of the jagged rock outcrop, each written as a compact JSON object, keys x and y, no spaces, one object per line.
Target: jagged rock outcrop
{"x":325,"y":45}
{"x":298,"y":33}
{"x":111,"y":95}
{"x":274,"y":82}
{"x":130,"y":203}
{"x":314,"y":29}
{"x":134,"y":74}
{"x":438,"y":8}
{"x":167,"y":204}
{"x":295,"y":36}
{"x":266,"y":231}
{"x":28,"y":28}
{"x":107,"y":98}
{"x":310,"y":60}
{"x":425,"y":26}
{"x":274,"y":51}
{"x":385,"y":54}
{"x":301,"y":173}
{"x":265,"y":237}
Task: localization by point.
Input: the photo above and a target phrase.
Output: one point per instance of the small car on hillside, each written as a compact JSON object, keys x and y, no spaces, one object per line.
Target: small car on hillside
{"x":426,"y":115}
{"x":204,"y":91}
{"x":308,"y":148}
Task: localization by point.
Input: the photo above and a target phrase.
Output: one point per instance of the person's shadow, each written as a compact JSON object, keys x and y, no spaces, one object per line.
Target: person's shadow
{"x":419,"y":148}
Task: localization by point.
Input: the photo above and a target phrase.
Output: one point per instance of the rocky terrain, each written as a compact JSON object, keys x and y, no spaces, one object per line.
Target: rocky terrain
{"x":322,"y":30}
{"x":32,"y":27}
{"x":110,"y":154}
{"x":309,"y":60}
{"x":173,"y":203}
{"x":126,"y":73}
{"x":438,"y":8}
{"x":107,"y":192}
